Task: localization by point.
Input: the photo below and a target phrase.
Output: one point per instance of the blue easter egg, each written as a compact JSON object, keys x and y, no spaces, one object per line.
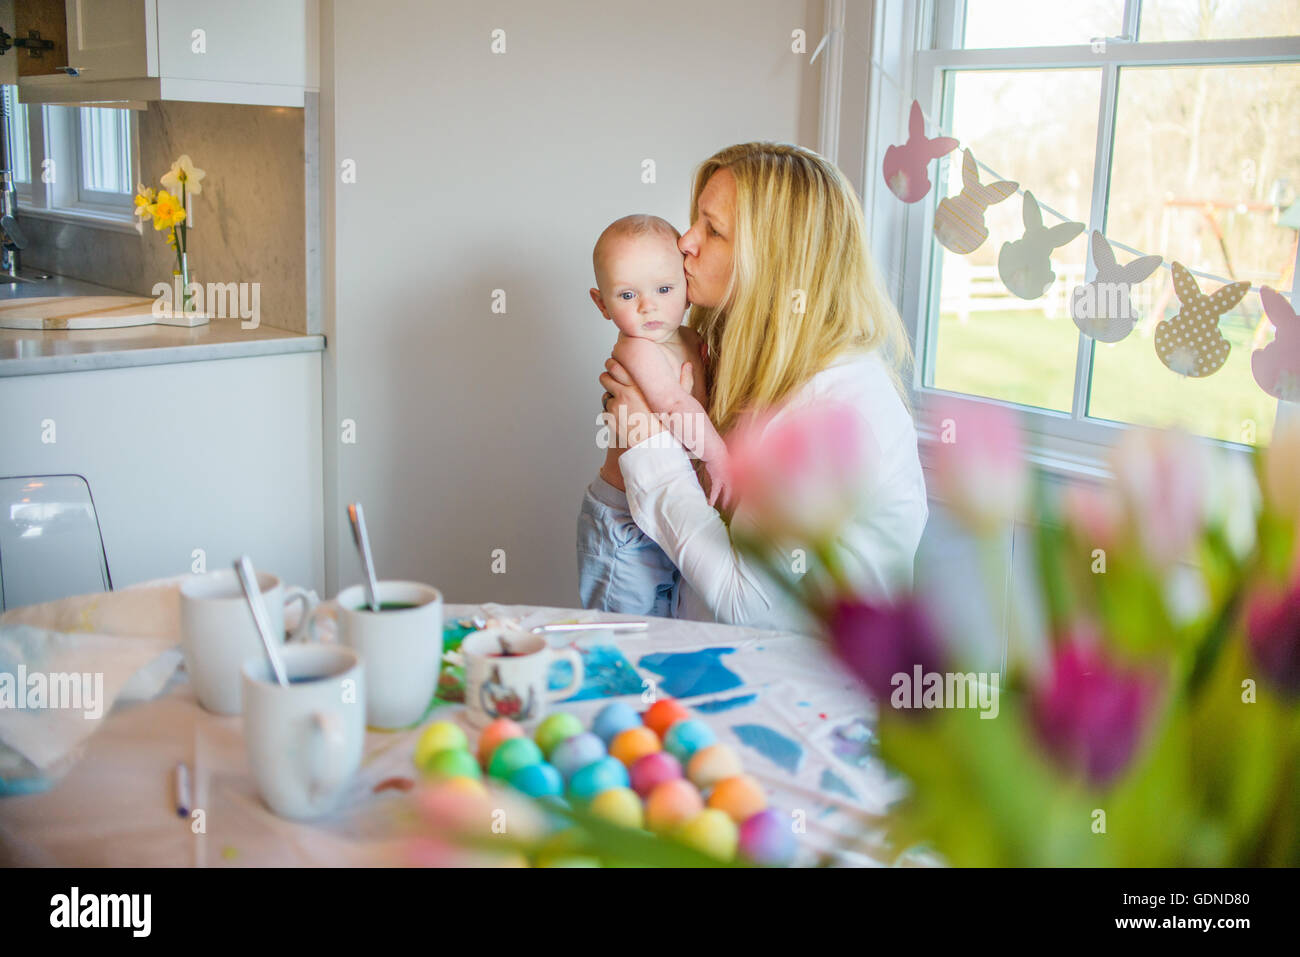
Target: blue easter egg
{"x":686,"y":737}
{"x":577,"y":752}
{"x":613,"y":719}
{"x":538,"y":780}
{"x":596,"y":778}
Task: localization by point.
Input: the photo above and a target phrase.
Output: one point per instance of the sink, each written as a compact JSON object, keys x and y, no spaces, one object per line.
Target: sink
{"x":6,"y":279}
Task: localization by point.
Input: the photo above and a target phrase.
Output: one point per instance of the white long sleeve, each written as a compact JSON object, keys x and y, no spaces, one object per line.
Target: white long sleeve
{"x":877,"y":548}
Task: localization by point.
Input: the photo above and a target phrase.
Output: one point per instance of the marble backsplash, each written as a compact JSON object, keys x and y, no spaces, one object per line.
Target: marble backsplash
{"x":250,"y":221}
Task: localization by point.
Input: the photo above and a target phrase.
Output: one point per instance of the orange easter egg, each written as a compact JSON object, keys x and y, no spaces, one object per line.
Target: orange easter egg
{"x":633,"y":744}
{"x":662,"y":715}
{"x":710,"y":765}
{"x":671,"y":804}
{"x":496,"y":732}
{"x":740,"y":796}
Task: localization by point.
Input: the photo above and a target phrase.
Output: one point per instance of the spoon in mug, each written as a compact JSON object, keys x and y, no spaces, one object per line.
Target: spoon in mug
{"x":248,"y":581}
{"x":359,"y":536}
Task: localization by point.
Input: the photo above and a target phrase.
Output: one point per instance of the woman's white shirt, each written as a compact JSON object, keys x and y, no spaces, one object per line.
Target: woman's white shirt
{"x":877,"y":548}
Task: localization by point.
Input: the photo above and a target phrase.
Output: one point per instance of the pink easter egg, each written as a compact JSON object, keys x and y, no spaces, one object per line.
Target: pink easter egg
{"x":653,"y":769}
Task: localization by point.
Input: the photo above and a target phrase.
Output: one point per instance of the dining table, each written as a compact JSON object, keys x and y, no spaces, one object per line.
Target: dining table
{"x":800,"y":722}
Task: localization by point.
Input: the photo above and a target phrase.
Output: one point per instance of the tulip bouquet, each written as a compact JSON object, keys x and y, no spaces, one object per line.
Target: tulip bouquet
{"x":1149,"y":713}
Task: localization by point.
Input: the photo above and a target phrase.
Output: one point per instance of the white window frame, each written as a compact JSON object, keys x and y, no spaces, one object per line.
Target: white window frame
{"x":57,"y":136}
{"x":929,"y":33}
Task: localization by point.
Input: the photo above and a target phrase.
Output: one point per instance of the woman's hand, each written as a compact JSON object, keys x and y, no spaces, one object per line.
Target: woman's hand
{"x":633,"y":420}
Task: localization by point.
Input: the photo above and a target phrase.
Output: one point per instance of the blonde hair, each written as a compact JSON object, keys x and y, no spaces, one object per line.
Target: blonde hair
{"x":637,"y":224}
{"x":803,"y":289}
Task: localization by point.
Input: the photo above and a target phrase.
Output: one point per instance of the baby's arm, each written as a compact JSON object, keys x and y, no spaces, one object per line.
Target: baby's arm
{"x":661,"y":386}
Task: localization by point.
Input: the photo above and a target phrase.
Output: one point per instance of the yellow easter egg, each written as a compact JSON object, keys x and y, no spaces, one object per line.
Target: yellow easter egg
{"x":619,"y":806}
{"x":672,"y":804}
{"x":710,"y":765}
{"x":461,"y":785}
{"x":439,"y":736}
{"x":711,"y":832}
{"x":634,"y":743}
{"x":740,"y":797}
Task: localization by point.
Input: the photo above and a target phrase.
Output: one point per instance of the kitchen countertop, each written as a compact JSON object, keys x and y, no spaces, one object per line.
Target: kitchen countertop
{"x":39,"y":352}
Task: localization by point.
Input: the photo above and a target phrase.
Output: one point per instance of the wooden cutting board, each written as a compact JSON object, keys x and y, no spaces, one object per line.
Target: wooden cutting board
{"x":89,"y":312}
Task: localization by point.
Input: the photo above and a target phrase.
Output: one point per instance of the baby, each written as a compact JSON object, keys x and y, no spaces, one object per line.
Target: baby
{"x":641,"y":288}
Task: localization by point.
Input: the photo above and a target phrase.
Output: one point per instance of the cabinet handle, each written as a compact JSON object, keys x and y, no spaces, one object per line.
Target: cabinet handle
{"x":70,"y":70}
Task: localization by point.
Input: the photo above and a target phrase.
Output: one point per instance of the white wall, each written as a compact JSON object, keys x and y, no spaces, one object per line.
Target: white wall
{"x":477,"y":172}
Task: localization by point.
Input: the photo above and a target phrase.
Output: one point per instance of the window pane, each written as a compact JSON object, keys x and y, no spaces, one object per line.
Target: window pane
{"x":1031,"y":23}
{"x":989,"y":341}
{"x":20,"y":153}
{"x":105,"y":150}
{"x":1164,"y":20}
{"x":1207,"y":159}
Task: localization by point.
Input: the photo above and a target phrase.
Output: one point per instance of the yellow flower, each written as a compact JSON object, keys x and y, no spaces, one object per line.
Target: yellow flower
{"x":166,"y":211}
{"x":144,"y":201}
{"x":184,"y":172}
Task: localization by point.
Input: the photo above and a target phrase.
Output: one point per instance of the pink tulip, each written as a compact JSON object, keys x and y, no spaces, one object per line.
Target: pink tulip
{"x":1273,"y":634}
{"x":1096,"y":514}
{"x":801,"y":473}
{"x":1088,"y":713}
{"x":878,"y":642}
{"x":978,"y":466}
{"x":1161,"y":477}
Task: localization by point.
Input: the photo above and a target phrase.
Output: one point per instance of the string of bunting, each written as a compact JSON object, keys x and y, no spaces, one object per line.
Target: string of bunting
{"x":1188,"y":343}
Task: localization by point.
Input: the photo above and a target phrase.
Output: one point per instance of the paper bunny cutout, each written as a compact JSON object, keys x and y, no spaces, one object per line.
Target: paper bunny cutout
{"x":1277,"y":365}
{"x":959,"y":220}
{"x":1103,"y":308}
{"x":906,"y":165}
{"x":1189,"y":342}
{"x":1025,"y":264}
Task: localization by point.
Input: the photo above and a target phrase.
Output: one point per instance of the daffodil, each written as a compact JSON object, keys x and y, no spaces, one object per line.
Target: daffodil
{"x":184,"y":174}
{"x":167,"y":212}
{"x":144,"y":200}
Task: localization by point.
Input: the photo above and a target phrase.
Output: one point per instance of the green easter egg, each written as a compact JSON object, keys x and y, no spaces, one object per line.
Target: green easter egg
{"x":511,"y":755}
{"x":554,"y":729}
{"x":439,"y":736}
{"x":451,"y":763}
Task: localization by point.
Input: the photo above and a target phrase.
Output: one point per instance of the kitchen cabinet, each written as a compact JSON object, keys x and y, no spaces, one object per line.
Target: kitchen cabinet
{"x":237,"y":51}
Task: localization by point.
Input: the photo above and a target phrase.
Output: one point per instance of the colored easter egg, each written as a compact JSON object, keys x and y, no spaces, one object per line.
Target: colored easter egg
{"x":651,"y":770}
{"x":710,"y":765}
{"x":613,"y":718}
{"x":499,"y":730}
{"x":439,"y":736}
{"x":619,"y":806}
{"x":711,"y":832}
{"x":632,"y":744}
{"x":554,"y":729}
{"x":538,"y":780}
{"x":740,"y":796}
{"x":686,"y":737}
{"x":451,"y":763}
{"x":577,"y":752}
{"x":671,"y":804}
{"x":766,"y":838}
{"x":470,"y":787}
{"x":596,"y":778}
{"x":663,"y":714}
{"x":511,"y":755}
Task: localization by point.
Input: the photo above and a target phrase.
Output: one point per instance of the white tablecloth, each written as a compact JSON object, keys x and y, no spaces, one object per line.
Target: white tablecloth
{"x":799,"y":722}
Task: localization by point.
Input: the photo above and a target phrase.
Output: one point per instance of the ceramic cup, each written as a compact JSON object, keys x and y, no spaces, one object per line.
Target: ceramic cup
{"x":512,"y":686}
{"x":218,"y":633}
{"x":305,"y":741}
{"x":402,"y":647}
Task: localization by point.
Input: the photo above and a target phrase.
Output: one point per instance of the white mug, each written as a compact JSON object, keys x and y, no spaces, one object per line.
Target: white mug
{"x":305,"y":741}
{"x":218,"y":633}
{"x":402,"y":647}
{"x":514,"y":685}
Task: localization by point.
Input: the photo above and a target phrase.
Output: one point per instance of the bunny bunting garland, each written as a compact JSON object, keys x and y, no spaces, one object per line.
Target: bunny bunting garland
{"x":1025,"y":264}
{"x":1189,"y":342}
{"x":1103,"y":308}
{"x":1277,"y":365}
{"x":906,"y":165}
{"x":959,"y":220}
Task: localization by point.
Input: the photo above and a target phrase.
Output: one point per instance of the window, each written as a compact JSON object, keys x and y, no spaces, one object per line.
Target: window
{"x":1169,"y":126}
{"x":75,"y":163}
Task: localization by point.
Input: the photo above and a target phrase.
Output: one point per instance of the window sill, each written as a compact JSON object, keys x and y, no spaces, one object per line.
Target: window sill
{"x":78,"y":217}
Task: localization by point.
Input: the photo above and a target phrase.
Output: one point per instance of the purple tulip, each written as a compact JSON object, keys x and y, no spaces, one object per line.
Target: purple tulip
{"x":1273,"y":633}
{"x":1089,"y":714}
{"x":878,"y":642}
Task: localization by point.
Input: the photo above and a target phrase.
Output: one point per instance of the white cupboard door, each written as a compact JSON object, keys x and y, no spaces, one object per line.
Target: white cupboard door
{"x":239,"y":41}
{"x":112,"y":39}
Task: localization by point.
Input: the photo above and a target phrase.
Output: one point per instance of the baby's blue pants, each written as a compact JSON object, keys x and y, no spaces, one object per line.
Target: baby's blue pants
{"x":620,"y":568}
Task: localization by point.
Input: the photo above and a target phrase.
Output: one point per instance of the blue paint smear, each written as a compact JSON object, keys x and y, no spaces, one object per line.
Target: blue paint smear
{"x":605,"y":674}
{"x":725,"y":704}
{"x":687,"y":674}
{"x":831,"y":782}
{"x":802,"y":704}
{"x":777,"y":748}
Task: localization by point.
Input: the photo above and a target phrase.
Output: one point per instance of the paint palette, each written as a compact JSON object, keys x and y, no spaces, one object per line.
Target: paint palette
{"x":662,"y":770}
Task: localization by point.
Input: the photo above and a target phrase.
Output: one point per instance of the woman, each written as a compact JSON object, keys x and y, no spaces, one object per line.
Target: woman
{"x":791,"y":308}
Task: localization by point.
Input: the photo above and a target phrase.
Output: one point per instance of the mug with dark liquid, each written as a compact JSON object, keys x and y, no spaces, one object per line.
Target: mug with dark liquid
{"x":401,"y":645}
